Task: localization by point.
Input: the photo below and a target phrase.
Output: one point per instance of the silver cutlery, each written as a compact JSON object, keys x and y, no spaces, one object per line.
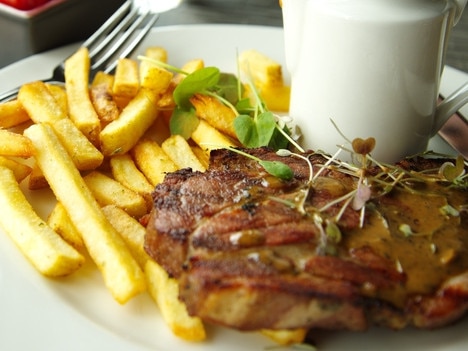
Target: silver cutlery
{"x":116,"y":38}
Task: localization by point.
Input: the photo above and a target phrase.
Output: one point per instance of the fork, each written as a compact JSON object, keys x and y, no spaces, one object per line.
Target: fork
{"x":116,"y":38}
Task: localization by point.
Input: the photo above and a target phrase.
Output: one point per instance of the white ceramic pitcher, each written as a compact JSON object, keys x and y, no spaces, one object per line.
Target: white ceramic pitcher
{"x":369,"y":68}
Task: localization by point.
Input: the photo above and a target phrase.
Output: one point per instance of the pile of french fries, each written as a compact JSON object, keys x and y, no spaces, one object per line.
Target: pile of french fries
{"x":101,"y":147}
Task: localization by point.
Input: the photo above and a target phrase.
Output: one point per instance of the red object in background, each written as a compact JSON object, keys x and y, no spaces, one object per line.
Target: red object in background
{"x":24,"y":4}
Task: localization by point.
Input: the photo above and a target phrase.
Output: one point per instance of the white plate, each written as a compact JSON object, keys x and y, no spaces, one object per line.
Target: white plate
{"x":78,"y":313}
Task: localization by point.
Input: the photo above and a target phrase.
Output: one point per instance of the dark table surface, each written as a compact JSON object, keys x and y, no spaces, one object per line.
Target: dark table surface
{"x":268,"y":12}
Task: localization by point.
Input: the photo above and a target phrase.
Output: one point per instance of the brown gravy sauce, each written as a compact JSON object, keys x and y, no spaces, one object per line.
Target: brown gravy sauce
{"x":435,"y":248}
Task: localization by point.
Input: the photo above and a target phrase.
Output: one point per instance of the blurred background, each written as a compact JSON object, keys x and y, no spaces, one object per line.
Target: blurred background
{"x":74,"y":20}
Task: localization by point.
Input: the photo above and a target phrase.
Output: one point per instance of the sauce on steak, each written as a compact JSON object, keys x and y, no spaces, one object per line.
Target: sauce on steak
{"x":251,"y":251}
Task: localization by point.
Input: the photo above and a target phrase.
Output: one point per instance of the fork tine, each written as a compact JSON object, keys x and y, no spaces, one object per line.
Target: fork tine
{"x":108,"y":60}
{"x":135,"y":42}
{"x":108,"y":24}
{"x":111,"y":35}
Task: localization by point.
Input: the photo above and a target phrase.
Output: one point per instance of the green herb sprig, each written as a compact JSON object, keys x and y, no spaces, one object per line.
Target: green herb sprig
{"x":254,"y":125}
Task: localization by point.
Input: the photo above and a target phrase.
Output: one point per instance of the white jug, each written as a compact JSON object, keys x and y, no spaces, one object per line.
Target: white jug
{"x":369,"y":68}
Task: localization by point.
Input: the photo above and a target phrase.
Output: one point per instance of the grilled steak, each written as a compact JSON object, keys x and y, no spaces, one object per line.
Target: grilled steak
{"x":251,"y":251}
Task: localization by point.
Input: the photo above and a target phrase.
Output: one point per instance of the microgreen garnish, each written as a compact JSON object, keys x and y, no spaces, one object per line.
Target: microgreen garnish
{"x":254,"y":125}
{"x":405,"y":229}
{"x":183,"y":122}
{"x":450,"y":211}
{"x":454,"y":172}
{"x":196,"y":82}
{"x":275,"y":168}
{"x":257,"y":131}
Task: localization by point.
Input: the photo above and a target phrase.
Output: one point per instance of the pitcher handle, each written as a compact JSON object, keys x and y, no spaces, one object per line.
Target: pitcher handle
{"x":460,"y":5}
{"x":449,"y":106}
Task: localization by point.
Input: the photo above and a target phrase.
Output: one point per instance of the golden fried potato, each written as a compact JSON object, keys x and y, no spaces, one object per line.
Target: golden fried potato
{"x":208,"y":138}
{"x":215,"y":113}
{"x":43,"y":247}
{"x":276,"y":97}
{"x":152,"y":161}
{"x":132,"y":232}
{"x":165,"y":292}
{"x":156,"y":52}
{"x":20,"y":170}
{"x":60,"y":222}
{"x":201,"y":155}
{"x":261,"y":69}
{"x":101,"y":98}
{"x":286,"y":337}
{"x":158,"y":131}
{"x":177,"y":148}
{"x":108,"y":191}
{"x":12,"y":114}
{"x":267,"y":77}
{"x":13,"y":144}
{"x":189,"y":67}
{"x":36,"y":179}
{"x":126,"y":81}
{"x":40,"y":104}
{"x":59,"y":94}
{"x":119,"y":136}
{"x":125,"y":171}
{"x":43,"y":107}
{"x":152,"y":76}
{"x":83,"y":153}
{"x":80,"y":108}
{"x":103,"y":243}
{"x":155,"y":78}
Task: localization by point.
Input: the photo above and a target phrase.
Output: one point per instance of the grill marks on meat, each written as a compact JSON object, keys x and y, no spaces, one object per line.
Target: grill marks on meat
{"x":246,"y":259}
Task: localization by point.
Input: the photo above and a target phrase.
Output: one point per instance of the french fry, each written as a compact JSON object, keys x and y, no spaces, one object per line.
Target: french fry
{"x":189,"y":67}
{"x":40,"y":104}
{"x":121,"y":135}
{"x":126,"y":81}
{"x":177,"y":148}
{"x":261,"y":69}
{"x":43,"y":247}
{"x":80,"y":108}
{"x":166,"y":100}
{"x":42,"y":107}
{"x":156,"y":52}
{"x":201,"y":155}
{"x":155,"y":78}
{"x":276,"y":97}
{"x":108,"y":191}
{"x":59,"y":94}
{"x":122,"y":274}
{"x":165,"y":292}
{"x":13,"y":144}
{"x":132,"y":232}
{"x":60,"y":222}
{"x":83,"y":153}
{"x":152,"y":161}
{"x":286,"y":337}
{"x":101,"y":98}
{"x":215,"y":113}
{"x":267,"y":77}
{"x":12,"y":114}
{"x":36,"y":179}
{"x":125,"y":171}
{"x":20,"y":170}
{"x":158,"y":131}
{"x":208,"y":138}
